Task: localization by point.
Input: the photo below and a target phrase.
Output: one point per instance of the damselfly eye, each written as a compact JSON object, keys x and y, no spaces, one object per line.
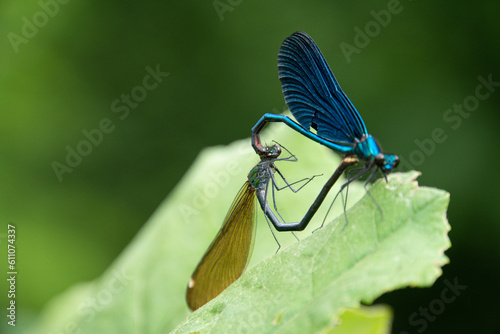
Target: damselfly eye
{"x":274,"y":151}
{"x":379,"y":158}
{"x":277,"y":149}
{"x":395,"y":162}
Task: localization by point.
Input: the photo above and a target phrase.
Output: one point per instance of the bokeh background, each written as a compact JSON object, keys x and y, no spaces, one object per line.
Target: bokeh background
{"x":68,"y":67}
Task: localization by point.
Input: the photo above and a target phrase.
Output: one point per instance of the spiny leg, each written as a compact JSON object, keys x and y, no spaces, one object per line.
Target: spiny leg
{"x":292,"y":156}
{"x":288,"y":185}
{"x":269,"y":223}
{"x":369,"y":193}
{"x":362,"y":170}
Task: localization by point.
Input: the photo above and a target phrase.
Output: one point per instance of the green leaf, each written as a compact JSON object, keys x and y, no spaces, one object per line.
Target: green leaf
{"x":307,"y":287}
{"x":366,"y":320}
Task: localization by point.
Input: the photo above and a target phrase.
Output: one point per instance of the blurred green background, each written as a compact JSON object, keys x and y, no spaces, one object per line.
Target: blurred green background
{"x":68,"y":67}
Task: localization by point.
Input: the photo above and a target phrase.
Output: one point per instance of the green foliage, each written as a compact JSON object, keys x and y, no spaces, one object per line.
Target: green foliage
{"x":309,"y":287}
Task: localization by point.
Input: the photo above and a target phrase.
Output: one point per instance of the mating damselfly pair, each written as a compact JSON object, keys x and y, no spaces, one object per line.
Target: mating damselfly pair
{"x":318,"y":103}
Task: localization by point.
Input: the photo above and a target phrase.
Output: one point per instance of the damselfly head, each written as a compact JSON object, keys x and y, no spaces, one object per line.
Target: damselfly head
{"x":270,"y":152}
{"x":386,"y":162}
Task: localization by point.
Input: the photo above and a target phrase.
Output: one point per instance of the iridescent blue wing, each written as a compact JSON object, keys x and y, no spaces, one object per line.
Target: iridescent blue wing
{"x":313,"y":94}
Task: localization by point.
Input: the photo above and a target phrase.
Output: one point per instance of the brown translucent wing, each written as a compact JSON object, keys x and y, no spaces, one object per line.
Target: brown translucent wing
{"x":228,"y":255}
